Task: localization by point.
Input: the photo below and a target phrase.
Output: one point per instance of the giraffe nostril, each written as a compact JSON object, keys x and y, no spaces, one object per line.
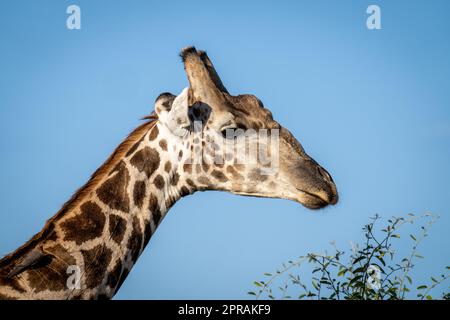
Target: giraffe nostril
{"x":324,"y":173}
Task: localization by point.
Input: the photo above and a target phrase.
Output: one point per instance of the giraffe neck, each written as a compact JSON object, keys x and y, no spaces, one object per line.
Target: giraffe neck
{"x":98,"y":236}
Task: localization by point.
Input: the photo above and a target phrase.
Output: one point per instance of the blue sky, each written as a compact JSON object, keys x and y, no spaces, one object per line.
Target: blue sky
{"x":373,"y":107}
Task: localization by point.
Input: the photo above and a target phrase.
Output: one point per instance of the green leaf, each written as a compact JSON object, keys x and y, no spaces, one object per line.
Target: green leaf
{"x":360,"y":269}
{"x":358,"y":259}
{"x":342,"y":272}
{"x":355,"y":279}
{"x":268,"y":274}
{"x":382,"y":260}
{"x":409,"y":279}
{"x":412,"y":237}
{"x":251,"y":293}
{"x":315,"y":285}
{"x":418,"y":256}
{"x":257,"y":284}
{"x":422,"y":287}
{"x":433,"y":279}
{"x":429,"y":297}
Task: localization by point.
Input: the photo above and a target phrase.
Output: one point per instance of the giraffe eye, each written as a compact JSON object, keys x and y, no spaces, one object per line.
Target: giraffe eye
{"x":232,"y":132}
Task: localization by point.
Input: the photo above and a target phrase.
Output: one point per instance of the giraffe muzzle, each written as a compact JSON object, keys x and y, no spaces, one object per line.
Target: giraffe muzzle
{"x":315,"y":186}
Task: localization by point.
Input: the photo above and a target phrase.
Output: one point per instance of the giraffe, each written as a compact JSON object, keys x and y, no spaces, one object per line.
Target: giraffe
{"x":102,"y":230}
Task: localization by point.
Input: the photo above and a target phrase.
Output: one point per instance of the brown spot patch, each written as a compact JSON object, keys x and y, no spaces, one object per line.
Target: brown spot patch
{"x":147,"y":160}
{"x":122,"y":278}
{"x":219,"y":163}
{"x":147,"y":233}
{"x":114,"y":191}
{"x":219,"y":176}
{"x":205,"y":167}
{"x":52,"y":235}
{"x":190,"y":183}
{"x":163,"y":144}
{"x":64,"y":258}
{"x":86,"y":225}
{"x":13,"y":283}
{"x":135,"y":241}
{"x":236,"y":175}
{"x":153,"y":134}
{"x":139,"y":193}
{"x":184,"y":191}
{"x":96,"y":263}
{"x":153,"y":206}
{"x":51,"y":274}
{"x":170,"y":201}
{"x":204,"y":180}
{"x":115,"y":275}
{"x":256,"y":175}
{"x":187,"y":167}
{"x":46,"y":278}
{"x":168,"y":166}
{"x":174,"y":179}
{"x":159,"y":181}
{"x":117,"y":228}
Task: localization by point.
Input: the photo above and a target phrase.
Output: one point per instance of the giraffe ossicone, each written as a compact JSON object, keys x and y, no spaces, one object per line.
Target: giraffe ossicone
{"x":202,"y":139}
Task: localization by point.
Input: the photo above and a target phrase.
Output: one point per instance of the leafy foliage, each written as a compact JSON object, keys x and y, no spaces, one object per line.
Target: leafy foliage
{"x":371,"y":271}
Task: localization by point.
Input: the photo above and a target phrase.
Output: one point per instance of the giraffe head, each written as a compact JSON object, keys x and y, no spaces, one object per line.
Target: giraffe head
{"x":232,"y":143}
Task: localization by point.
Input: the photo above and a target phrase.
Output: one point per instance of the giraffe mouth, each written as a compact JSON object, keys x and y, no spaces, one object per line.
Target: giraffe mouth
{"x":315,"y":201}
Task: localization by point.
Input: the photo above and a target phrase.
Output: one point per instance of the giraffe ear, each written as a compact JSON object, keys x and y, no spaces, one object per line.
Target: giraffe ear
{"x":173,"y":112}
{"x":163,"y":103}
